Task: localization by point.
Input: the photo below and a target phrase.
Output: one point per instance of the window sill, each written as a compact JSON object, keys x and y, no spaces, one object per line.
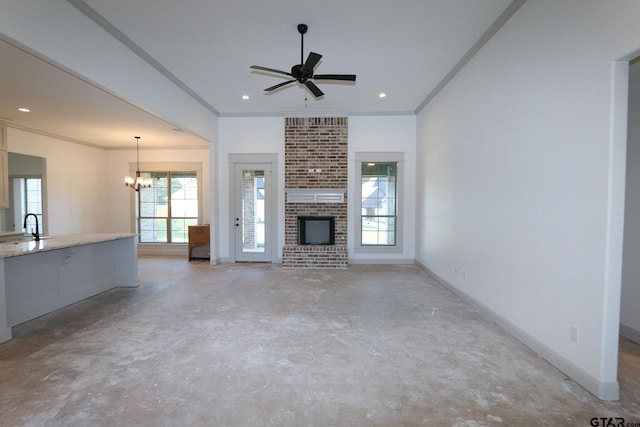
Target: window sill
{"x":378,"y":249}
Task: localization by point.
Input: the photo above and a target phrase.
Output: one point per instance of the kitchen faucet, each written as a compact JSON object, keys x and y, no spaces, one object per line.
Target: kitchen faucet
{"x":37,"y":233}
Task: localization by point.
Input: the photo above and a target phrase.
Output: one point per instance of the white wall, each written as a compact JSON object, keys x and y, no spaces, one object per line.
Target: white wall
{"x":520,"y":176}
{"x":384,"y":134}
{"x":265,"y":135}
{"x":246,"y":135}
{"x":630,"y":306}
{"x":75,"y":181}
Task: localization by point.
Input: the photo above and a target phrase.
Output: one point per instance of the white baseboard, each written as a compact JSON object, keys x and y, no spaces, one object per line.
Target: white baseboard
{"x":602,"y":390}
{"x":394,"y":261}
{"x":229,"y":260}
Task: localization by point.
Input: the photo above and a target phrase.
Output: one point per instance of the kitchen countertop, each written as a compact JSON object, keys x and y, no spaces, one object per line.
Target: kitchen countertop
{"x":50,"y":243}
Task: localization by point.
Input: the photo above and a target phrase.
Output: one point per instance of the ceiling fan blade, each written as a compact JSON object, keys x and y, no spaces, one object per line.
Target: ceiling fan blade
{"x":269,"y":89}
{"x":312,"y":61}
{"x":271,"y":70}
{"x":348,"y":77}
{"x":313,"y":88}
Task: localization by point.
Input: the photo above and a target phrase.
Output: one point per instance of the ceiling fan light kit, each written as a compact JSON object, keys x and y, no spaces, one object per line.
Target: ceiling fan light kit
{"x":303,"y":72}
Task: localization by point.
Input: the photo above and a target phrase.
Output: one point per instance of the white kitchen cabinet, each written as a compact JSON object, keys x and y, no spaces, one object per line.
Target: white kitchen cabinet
{"x":38,"y":277}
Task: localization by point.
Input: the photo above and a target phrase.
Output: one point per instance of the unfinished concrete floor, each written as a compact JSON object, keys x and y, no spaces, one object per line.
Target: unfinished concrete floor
{"x":257,"y":345}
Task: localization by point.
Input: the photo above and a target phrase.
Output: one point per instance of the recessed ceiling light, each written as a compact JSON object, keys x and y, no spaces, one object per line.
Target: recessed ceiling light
{"x":24,"y":110}
{"x":245,"y":96}
{"x":382,"y":95}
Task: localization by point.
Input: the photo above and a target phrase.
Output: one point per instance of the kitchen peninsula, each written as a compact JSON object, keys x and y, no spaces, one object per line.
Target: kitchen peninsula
{"x":38,"y":277}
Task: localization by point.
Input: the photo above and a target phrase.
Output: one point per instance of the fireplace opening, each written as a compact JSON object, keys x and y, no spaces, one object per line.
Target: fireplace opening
{"x":316,"y":230}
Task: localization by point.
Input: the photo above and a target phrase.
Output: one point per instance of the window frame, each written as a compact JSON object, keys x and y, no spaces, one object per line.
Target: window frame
{"x":19,"y":182}
{"x":170,"y":217}
{"x":379,"y":157}
{"x":171,"y":167}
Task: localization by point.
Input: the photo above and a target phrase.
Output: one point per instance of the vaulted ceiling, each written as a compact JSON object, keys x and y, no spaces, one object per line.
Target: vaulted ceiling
{"x":405,"y":49}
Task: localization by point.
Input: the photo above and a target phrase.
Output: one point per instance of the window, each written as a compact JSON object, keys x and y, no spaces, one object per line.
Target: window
{"x":378,"y":190}
{"x":28,"y":199}
{"x":168,"y":207}
{"x":378,"y":203}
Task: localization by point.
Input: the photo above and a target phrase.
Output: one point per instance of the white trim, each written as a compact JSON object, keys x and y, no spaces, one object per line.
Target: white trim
{"x":293,"y":114}
{"x":601,"y":389}
{"x":164,"y":167}
{"x":315,"y":195}
{"x":321,"y":114}
{"x":270,"y":160}
{"x":378,"y":261}
{"x":253,"y":158}
{"x":617,"y":162}
{"x":378,"y":157}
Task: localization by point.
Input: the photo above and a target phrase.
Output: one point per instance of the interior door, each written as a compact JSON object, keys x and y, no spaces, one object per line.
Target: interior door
{"x":252,"y":218}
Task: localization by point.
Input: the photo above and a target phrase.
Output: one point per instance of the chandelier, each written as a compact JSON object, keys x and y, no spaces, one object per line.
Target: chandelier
{"x":138,"y":182}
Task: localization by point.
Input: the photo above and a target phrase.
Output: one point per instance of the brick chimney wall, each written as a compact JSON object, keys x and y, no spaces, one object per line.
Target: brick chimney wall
{"x":316,"y":143}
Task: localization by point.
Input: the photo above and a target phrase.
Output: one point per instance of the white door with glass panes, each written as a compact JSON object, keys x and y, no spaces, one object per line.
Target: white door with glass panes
{"x":252,"y":194}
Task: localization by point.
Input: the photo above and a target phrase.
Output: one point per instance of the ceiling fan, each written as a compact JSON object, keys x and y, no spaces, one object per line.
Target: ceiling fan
{"x":303,"y":72}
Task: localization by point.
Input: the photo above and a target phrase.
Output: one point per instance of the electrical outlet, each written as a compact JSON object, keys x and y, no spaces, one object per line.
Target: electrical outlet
{"x":573,"y":333}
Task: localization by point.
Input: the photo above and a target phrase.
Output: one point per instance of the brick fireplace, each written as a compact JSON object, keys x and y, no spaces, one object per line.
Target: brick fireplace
{"x":316,"y":185}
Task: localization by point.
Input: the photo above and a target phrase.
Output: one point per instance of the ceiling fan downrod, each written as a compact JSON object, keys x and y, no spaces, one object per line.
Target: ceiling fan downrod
{"x":302,"y":29}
